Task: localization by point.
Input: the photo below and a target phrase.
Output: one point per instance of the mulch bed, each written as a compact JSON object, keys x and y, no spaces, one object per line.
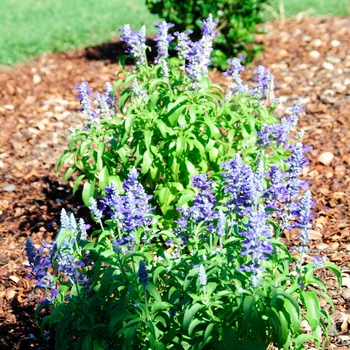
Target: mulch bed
{"x":310,"y":59}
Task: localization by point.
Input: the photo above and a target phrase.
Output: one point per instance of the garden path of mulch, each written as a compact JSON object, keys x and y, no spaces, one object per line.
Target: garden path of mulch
{"x":310,"y":58}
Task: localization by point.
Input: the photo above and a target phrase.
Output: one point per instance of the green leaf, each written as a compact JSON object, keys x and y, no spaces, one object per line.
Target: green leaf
{"x":214,"y":131}
{"x":302,"y":338}
{"x":129,"y":121}
{"x":191,"y":168}
{"x":207,"y":333}
{"x":103,"y":178}
{"x":193,"y":325}
{"x":180,"y":145}
{"x":184,"y":199}
{"x":88,"y":192}
{"x":230,"y":338}
{"x":293,"y":312}
{"x":312,"y":304}
{"x":163,"y":128}
{"x":248,"y":306}
{"x":146,"y":161}
{"x":77,"y":183}
{"x":69,"y":173}
{"x":213,"y":154}
{"x":151,"y":289}
{"x":189,"y":315}
{"x":165,"y":197}
{"x":87,"y":342}
{"x":148,"y":137}
{"x":335,"y":269}
{"x":174,"y":116}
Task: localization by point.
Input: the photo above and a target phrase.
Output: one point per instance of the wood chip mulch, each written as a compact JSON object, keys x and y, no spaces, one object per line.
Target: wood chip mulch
{"x":309,"y":58}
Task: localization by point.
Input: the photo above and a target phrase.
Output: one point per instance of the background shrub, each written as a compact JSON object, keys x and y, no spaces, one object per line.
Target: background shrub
{"x":237,"y":25}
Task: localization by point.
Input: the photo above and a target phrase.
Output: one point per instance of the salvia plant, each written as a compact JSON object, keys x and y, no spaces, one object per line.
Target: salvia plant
{"x":222,"y":279}
{"x":170,"y":122}
{"x":225,"y":174}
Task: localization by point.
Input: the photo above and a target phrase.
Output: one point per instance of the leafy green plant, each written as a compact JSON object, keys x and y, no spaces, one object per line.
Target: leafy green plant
{"x":237,"y":23}
{"x":172,"y":122}
{"x":222,"y":279}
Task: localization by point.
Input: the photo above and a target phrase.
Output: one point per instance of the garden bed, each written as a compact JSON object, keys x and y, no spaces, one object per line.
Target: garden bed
{"x":308,"y":58}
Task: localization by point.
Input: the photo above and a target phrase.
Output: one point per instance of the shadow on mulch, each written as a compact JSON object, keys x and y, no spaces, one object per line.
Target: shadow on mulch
{"x":113,"y":51}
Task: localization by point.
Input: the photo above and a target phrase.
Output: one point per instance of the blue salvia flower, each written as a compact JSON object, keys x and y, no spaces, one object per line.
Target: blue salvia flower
{"x":234,"y":71}
{"x":262,"y":80}
{"x":296,"y":163}
{"x":165,"y":68}
{"x":318,"y":261}
{"x":264,"y":135}
{"x":163,"y":40}
{"x":202,"y":276}
{"x":131,"y":184}
{"x":221,"y":224}
{"x":82,"y":229}
{"x":209,"y":33}
{"x":183,"y":44}
{"x":30,"y":250}
{"x":113,"y":203}
{"x":103,"y":106}
{"x":94,"y":209}
{"x":203,"y":208}
{"x":143,"y":273}
{"x":84,"y":93}
{"x":240,"y":184}
{"x":139,"y":94}
{"x":116,"y":245}
{"x":296,"y":111}
{"x":39,"y":263}
{"x":68,"y":265}
{"x":131,"y":209}
{"x":304,"y":220}
{"x":277,"y":191}
{"x":277,"y":132}
{"x":257,"y":244}
{"x":197,"y":64}
{"x":136,"y":43}
{"x":205,"y":201}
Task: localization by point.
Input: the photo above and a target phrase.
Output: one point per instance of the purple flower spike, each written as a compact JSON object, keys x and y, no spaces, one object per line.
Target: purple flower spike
{"x":296,"y":163}
{"x":296,"y":111}
{"x":163,"y":40}
{"x":304,"y":218}
{"x":84,"y":93}
{"x":143,"y":273}
{"x":136,"y":43}
{"x":130,"y":209}
{"x":221,"y":224}
{"x":209,"y":27}
{"x":183,"y":43}
{"x":240,"y":183}
{"x":265,"y":83}
{"x":256,"y":244}
{"x":202,"y":276}
{"x":94,"y":209}
{"x":197,"y":64}
{"x":30,"y":250}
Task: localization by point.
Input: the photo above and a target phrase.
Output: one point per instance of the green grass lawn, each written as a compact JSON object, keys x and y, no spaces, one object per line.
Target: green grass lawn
{"x":29,"y":28}
{"x":310,"y":7}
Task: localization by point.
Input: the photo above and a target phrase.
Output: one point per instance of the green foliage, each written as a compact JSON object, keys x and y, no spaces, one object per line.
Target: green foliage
{"x":237,"y":26}
{"x":170,"y":133}
{"x":173,"y":310}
